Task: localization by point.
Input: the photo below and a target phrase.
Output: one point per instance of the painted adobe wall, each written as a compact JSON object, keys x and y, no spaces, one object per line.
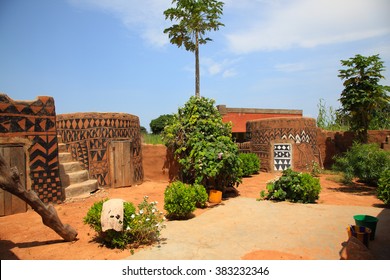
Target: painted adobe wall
{"x":33,"y":125}
{"x":284,"y":142}
{"x":89,"y":136}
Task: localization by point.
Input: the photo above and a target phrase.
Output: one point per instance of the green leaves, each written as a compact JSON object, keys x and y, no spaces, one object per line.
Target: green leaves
{"x":157,"y":125}
{"x":293,"y":186}
{"x":193,"y":19}
{"x":364,"y":161}
{"x":363,"y":99}
{"x":250,"y":163}
{"x":179,"y":200}
{"x":383,"y":190}
{"x":203,"y":145}
{"x":139,"y":227}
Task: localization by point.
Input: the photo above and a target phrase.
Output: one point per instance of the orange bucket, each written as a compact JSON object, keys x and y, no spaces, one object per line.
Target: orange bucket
{"x":215,"y":196}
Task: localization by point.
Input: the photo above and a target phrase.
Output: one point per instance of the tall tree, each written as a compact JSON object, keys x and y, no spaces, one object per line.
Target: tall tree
{"x":193,"y":18}
{"x":363,"y":98}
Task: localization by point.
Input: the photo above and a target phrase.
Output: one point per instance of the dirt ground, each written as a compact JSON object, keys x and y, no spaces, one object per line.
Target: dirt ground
{"x":23,"y":236}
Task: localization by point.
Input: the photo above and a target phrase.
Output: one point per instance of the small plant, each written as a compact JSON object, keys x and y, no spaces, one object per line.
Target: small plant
{"x":314,"y":169}
{"x":293,"y":186}
{"x":383,"y":190}
{"x":363,"y":161}
{"x":179,"y":200}
{"x":250,"y":164}
{"x":146,"y":225}
{"x":201,"y":196}
{"x":139,"y":228}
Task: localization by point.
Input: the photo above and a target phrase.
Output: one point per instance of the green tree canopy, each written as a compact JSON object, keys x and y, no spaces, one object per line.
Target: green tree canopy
{"x":363,"y":98}
{"x":193,"y":18}
{"x":157,"y":125}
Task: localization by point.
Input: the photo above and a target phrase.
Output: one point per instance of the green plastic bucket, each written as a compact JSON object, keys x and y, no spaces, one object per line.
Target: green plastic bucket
{"x":367,"y":221}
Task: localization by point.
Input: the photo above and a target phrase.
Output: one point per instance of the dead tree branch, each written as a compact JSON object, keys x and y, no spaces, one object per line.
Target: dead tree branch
{"x":10,"y":182}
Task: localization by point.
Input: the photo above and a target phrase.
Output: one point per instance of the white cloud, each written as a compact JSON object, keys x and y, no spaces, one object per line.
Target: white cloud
{"x":229,"y":73}
{"x":224,"y":67}
{"x":279,"y":25}
{"x":144,"y":17}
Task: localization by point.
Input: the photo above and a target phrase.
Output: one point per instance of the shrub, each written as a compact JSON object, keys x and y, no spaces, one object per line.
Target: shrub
{"x":139,"y":228}
{"x":179,"y":200}
{"x":203,"y":146}
{"x":250,"y":163}
{"x":293,"y":186}
{"x":201,"y":195}
{"x":364,"y":161}
{"x":383,"y":190}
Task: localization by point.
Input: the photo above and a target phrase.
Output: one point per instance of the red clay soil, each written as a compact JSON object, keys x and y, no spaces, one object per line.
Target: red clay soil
{"x":23,"y":236}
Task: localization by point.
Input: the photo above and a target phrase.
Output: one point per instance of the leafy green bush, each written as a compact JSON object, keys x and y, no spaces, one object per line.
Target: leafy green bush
{"x":201,"y":195}
{"x":383,"y":190}
{"x":250,"y":164}
{"x":203,"y":146}
{"x":363,"y":161}
{"x":293,"y":186}
{"x":179,"y":200}
{"x":142,"y":227}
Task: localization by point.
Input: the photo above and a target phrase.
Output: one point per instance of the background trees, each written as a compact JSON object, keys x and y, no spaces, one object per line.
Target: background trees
{"x":157,"y":125}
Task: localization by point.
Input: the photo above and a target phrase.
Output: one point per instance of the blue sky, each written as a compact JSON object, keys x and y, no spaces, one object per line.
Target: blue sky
{"x":112,"y":55}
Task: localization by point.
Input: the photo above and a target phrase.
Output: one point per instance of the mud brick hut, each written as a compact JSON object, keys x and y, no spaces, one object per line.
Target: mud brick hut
{"x":106,"y":148}
{"x":108,"y":145}
{"x":28,"y":140}
{"x":283,"y":143}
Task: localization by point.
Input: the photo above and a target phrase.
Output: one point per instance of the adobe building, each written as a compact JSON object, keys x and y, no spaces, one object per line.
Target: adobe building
{"x":108,"y":145}
{"x":28,"y":140}
{"x":240,"y":116}
{"x":63,"y":156}
{"x":283,"y":143}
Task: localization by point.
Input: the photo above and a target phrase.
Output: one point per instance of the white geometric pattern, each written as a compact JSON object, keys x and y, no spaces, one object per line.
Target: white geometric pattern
{"x":298,"y":138}
{"x":282,"y":156}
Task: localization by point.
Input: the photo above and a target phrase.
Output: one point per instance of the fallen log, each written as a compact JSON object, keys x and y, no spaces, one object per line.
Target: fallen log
{"x":10,"y":182}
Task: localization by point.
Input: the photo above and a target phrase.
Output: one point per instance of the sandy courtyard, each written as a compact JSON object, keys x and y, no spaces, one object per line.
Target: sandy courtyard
{"x":23,"y":236}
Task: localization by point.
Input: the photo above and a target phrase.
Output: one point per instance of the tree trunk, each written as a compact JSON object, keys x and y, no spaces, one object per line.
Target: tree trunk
{"x":197,"y":71}
{"x":10,"y":182}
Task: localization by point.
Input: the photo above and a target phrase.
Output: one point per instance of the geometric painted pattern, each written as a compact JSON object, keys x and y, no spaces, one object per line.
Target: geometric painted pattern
{"x":301,"y":131}
{"x":36,"y":121}
{"x":282,"y":156}
{"x":89,"y":135}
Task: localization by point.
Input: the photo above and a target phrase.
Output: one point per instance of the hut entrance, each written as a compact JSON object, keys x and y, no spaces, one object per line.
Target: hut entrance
{"x":282,"y":156}
{"x":13,"y":155}
{"x":121,"y":167}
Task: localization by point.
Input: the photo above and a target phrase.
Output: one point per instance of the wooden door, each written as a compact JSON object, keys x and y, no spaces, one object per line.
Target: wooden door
{"x":9,"y":204}
{"x":121,"y":169}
